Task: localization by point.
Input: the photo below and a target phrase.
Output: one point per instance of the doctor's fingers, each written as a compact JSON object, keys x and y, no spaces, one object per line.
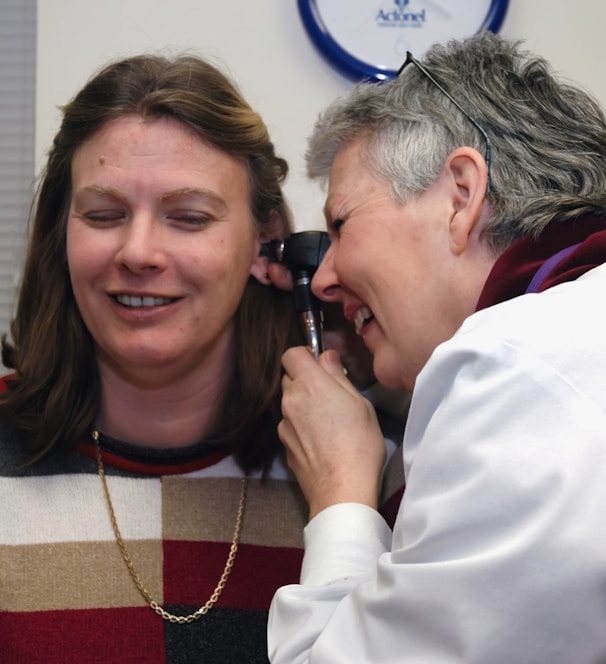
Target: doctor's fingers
{"x":315,"y":382}
{"x":287,"y":434}
{"x":306,"y":456}
{"x":296,"y":453}
{"x":308,"y":402}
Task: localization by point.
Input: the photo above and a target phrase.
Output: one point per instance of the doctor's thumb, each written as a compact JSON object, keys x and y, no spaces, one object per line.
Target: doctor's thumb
{"x":330,"y":361}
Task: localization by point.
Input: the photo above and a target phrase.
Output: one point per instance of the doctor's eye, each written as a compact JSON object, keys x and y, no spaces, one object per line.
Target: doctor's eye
{"x":336,"y":225}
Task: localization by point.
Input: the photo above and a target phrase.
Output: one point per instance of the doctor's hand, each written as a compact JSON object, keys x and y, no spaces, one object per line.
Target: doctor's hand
{"x":333,"y":440}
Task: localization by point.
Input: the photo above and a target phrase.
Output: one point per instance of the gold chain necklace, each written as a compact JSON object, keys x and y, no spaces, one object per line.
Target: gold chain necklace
{"x":205,"y":608}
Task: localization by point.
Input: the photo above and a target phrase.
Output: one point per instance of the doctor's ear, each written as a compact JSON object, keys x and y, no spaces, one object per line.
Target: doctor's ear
{"x":468,"y":175}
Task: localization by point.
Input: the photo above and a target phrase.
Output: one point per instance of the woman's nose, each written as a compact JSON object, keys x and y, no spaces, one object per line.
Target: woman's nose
{"x":325,"y":284}
{"x":143,"y":245}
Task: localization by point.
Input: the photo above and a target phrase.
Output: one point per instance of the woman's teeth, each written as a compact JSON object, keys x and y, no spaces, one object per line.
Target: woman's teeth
{"x":363,"y":316}
{"x":148,"y":301}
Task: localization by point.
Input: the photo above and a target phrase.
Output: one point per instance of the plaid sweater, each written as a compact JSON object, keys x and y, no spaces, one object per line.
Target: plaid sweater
{"x":65,"y":591}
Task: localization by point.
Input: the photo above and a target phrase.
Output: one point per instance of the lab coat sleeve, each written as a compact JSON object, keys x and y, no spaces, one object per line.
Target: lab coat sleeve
{"x":342,"y":545}
{"x":495,"y":556}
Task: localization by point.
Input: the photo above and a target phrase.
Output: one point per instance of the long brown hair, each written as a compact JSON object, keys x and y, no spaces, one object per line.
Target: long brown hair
{"x":55,"y":393}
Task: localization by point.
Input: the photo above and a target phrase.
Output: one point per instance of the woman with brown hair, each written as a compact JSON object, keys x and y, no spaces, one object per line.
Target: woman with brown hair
{"x":139,"y":477}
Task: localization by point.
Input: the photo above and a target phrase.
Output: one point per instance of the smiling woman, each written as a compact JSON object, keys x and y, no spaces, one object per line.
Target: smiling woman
{"x":138,"y":429}
{"x":160,"y":245}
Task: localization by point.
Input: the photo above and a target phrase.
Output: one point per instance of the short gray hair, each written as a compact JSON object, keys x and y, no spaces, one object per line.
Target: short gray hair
{"x":548,"y":136}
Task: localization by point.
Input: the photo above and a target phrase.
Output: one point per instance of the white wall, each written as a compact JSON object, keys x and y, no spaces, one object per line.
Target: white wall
{"x":264,"y":47}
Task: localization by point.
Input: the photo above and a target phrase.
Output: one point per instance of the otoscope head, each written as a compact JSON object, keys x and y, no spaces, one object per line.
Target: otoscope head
{"x":300,"y":251}
{"x":273,"y":249}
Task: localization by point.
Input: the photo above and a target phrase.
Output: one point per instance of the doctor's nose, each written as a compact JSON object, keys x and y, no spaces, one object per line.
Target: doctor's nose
{"x":325,"y":283}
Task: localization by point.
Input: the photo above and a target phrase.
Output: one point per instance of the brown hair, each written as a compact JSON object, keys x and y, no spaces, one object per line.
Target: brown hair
{"x":55,"y":393}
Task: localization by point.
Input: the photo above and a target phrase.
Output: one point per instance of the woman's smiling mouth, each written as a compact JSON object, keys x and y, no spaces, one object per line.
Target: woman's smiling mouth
{"x":143,"y":301}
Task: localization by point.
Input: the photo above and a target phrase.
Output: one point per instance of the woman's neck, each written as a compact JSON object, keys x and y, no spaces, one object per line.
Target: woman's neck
{"x":170,"y":410}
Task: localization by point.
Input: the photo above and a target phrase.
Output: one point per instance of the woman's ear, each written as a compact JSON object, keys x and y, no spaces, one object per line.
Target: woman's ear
{"x":269,"y":272}
{"x":260,"y":270}
{"x":275,"y":229}
{"x":469,"y":178}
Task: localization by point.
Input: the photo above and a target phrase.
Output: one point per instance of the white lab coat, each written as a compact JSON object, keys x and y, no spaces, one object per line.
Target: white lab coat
{"x":498,"y":553}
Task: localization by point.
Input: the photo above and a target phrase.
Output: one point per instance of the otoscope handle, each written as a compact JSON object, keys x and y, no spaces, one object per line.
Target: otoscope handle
{"x":309,"y":310}
{"x":302,"y":253}
{"x":311,"y":324}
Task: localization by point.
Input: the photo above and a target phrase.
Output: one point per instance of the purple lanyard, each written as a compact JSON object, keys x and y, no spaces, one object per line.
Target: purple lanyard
{"x":547,"y":267}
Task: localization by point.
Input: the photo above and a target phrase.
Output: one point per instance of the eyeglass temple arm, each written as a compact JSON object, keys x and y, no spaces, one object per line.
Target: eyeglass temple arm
{"x":410,"y":58}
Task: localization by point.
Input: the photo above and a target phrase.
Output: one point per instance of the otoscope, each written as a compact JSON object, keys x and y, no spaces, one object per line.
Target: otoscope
{"x":302,"y":254}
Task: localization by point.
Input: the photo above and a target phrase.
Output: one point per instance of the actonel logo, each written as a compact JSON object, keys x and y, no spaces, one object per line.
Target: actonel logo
{"x":400,"y":17}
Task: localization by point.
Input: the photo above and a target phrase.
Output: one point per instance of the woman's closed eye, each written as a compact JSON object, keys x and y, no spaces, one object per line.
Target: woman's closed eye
{"x":190,"y":219}
{"x":105,"y":216}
